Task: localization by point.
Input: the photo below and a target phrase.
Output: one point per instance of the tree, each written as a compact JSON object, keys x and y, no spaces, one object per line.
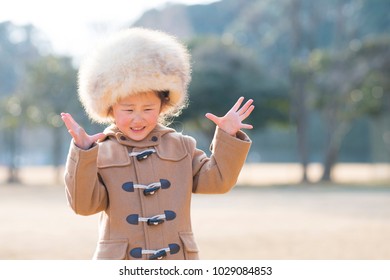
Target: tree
{"x":299,"y":108}
{"x":51,"y":89}
{"x":221,"y":74}
{"x":349,"y":86}
{"x":11,"y":118}
{"x":17,"y":49}
{"x":282,"y":35}
{"x":285,"y":32}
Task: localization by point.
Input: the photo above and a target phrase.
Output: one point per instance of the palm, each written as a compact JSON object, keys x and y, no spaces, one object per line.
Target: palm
{"x":80,"y":137}
{"x":232,"y":122}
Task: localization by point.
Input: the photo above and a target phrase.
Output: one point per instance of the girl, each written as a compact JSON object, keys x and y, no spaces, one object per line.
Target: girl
{"x":138,"y":173}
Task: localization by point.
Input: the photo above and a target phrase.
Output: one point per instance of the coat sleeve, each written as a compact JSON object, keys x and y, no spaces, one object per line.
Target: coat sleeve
{"x":86,"y":194}
{"x":219,"y":172}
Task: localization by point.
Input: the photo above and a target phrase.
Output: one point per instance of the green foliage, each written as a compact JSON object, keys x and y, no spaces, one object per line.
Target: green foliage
{"x":221,"y":74}
{"x":352,"y":83}
{"x":50,"y":89}
{"x":290,"y":56}
{"x":345,"y":87}
{"x":274,"y":33}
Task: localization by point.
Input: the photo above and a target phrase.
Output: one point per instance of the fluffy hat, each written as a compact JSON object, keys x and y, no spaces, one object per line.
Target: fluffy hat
{"x":132,"y":61}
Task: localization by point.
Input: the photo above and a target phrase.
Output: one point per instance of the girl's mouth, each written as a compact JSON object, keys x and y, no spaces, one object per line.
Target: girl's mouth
{"x":137,"y":129}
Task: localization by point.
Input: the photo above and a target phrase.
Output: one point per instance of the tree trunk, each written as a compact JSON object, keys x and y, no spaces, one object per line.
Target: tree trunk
{"x":298,"y":89}
{"x":12,"y":142}
{"x":302,"y":135}
{"x":58,"y":143}
{"x":13,"y":174}
{"x":335,"y":138}
{"x":330,"y":160}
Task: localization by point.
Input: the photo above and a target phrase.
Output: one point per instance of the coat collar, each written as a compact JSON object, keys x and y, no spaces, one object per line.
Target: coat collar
{"x":153,"y":139}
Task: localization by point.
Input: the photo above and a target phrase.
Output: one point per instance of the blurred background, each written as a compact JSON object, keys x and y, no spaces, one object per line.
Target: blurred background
{"x":319,"y":74}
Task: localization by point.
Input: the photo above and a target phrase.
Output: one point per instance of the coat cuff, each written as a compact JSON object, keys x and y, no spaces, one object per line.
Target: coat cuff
{"x":241,"y":140}
{"x":75,"y":153}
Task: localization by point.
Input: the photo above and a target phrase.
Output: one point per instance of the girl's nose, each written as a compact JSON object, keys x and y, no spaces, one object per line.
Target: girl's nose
{"x":137,"y":117}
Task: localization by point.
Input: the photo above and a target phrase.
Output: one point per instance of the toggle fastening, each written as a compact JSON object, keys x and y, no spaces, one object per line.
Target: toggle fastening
{"x":142,"y":155}
{"x":148,"y":189}
{"x":151,"y":191}
{"x":155,"y":254}
{"x":159,"y":255}
{"x":134,"y":219}
{"x":155,"y":221}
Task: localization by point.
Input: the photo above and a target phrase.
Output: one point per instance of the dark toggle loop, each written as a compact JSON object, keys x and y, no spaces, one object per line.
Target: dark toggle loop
{"x":136,"y":253}
{"x":132,"y":219}
{"x":165,"y":184}
{"x":151,"y":191}
{"x":154,"y":221}
{"x":158,"y":255}
{"x":169,"y":215}
{"x":128,"y":186}
{"x":174,"y":248}
{"x":144,"y":155}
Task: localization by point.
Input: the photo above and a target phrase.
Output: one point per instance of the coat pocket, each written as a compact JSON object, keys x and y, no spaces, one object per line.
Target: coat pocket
{"x":111,"y":249}
{"x":190,"y":249}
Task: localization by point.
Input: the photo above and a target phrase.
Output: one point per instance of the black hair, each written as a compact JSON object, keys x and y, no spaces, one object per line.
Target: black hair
{"x":164,"y":96}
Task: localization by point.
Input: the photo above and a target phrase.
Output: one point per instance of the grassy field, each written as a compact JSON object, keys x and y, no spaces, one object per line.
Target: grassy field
{"x":287,"y":221}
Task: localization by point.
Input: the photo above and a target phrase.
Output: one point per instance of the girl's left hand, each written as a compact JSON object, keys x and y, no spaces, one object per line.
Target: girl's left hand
{"x":232,"y":122}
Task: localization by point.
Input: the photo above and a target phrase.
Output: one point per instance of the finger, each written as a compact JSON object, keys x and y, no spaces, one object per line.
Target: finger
{"x":67,"y":122}
{"x":245,"y":107}
{"x":212,"y":118}
{"x":70,"y":123}
{"x":98,"y":136}
{"x":247,"y":126}
{"x":247,"y":112}
{"x":74,"y":126}
{"x":73,"y":134}
{"x":237,"y":105}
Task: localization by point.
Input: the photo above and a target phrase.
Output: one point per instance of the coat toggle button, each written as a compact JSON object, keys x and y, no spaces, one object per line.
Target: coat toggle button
{"x":144,"y":155}
{"x":151,"y":191}
{"x":154,"y":221}
{"x":158,"y":255}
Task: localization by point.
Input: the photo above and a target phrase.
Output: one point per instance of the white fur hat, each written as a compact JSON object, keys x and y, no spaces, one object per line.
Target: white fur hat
{"x":132,"y":61}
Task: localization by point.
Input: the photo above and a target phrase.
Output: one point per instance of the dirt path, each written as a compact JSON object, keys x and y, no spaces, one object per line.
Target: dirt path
{"x":248,"y":223}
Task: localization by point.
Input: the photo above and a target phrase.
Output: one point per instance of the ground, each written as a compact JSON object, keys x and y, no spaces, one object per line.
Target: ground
{"x":255,"y":222}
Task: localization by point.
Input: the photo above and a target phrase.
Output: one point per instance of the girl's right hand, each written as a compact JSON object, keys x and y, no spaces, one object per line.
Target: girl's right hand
{"x":80,"y":137}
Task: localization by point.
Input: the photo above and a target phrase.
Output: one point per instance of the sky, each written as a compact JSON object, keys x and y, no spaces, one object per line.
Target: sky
{"x":73,"y":26}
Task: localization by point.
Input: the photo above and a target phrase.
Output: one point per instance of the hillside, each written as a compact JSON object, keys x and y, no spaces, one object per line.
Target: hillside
{"x":193,"y":20}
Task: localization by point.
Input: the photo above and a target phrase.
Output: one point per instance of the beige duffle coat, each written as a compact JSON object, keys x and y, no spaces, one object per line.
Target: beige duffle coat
{"x":143,"y":189}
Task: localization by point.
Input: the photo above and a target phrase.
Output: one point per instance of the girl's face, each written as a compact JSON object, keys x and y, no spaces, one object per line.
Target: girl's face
{"x":137,"y":115}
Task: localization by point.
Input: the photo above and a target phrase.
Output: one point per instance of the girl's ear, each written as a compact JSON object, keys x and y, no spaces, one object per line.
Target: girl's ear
{"x":165,"y":99}
{"x":162,"y":107}
{"x":110,"y":114}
